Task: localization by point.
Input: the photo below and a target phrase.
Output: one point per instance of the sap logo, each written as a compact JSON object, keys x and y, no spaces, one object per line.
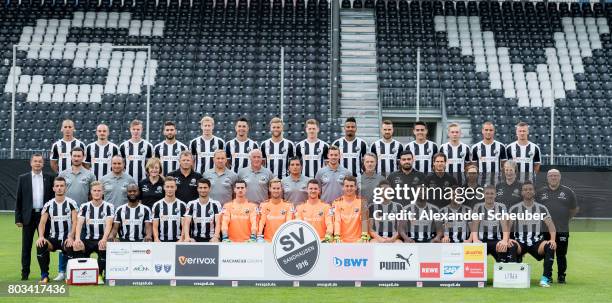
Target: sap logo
{"x":195,"y":261}
{"x":350,"y":262}
{"x":288,"y":243}
{"x":450,"y":270}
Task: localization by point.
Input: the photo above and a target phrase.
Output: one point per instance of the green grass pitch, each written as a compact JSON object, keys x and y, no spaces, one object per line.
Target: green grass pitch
{"x":590,"y":265}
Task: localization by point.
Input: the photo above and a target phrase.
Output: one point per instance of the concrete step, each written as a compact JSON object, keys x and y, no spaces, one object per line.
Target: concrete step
{"x":356,"y":13}
{"x":363,"y":61}
{"x":358,"y":78}
{"x":350,"y":105}
{"x":358,"y":87}
{"x":357,"y":29}
{"x":358,"y":113}
{"x":357,"y":37}
{"x":358,"y":46}
{"x":358,"y":95}
{"x":352,"y":69}
{"x":357,"y":53}
{"x":357,"y":21}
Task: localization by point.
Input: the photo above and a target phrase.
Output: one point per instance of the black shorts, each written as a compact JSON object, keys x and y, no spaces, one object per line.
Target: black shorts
{"x":92,"y":246}
{"x":128,"y":240}
{"x":531,"y":249}
{"x":56,"y":244}
{"x":201,"y":239}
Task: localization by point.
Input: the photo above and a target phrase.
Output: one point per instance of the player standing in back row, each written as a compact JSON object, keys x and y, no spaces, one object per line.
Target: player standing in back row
{"x":204,"y":147}
{"x":136,"y":151}
{"x":98,"y":154}
{"x":62,"y":148}
{"x":422,"y":149}
{"x":312,"y":150}
{"x":490,"y":155}
{"x":525,"y":153}
{"x":387,"y":150}
{"x":237,"y":150}
{"x":168,"y":151}
{"x":277,"y":150}
{"x":352,"y":148}
{"x":457,"y":153}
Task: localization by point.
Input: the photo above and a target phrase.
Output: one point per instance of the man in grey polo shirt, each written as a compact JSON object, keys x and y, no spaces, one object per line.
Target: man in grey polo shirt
{"x":221,"y":179}
{"x":369,"y":179}
{"x":257,"y":177}
{"x":116,"y":183}
{"x":295,"y":184}
{"x":78,"y":178}
{"x":332,"y":176}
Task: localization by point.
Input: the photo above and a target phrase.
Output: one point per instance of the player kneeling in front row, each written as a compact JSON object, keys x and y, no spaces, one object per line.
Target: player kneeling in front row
{"x":421,"y":227}
{"x":456,"y":226}
{"x":202,"y":221}
{"x":274,"y":212}
{"x":348,"y":211}
{"x":382,"y":222}
{"x":495,"y":233}
{"x":133,"y":219}
{"x":59,"y":215}
{"x":95,"y":222}
{"x":316,"y":212}
{"x":168,"y":214}
{"x":530,"y":233}
{"x":239,"y":217}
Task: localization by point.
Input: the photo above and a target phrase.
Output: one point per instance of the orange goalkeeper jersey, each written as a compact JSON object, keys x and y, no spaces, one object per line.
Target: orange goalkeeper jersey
{"x":272,"y":216}
{"x":239,"y":220}
{"x":319,"y":215}
{"x":347,"y":219}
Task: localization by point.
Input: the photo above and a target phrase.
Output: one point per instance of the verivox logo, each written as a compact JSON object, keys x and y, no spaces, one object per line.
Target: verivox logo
{"x":350,"y":262}
{"x":430,"y":270}
{"x":473,"y":270}
{"x":473,"y":253}
{"x":197,"y":260}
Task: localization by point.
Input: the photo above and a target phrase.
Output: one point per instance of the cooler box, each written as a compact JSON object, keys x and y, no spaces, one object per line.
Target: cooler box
{"x":511,"y":275}
{"x":82,"y":271}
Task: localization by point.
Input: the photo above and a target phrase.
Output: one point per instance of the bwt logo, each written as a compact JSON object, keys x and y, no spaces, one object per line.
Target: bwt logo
{"x":195,"y":261}
{"x":350,"y":262}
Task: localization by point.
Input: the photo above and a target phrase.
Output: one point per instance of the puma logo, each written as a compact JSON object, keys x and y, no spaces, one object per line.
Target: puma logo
{"x":404,"y":258}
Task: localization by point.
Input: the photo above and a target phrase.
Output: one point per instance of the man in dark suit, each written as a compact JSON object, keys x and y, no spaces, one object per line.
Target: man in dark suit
{"x":33,"y":190}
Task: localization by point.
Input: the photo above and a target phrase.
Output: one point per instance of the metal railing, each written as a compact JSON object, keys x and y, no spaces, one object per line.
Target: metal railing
{"x":405,"y":99}
{"x":593,"y":161}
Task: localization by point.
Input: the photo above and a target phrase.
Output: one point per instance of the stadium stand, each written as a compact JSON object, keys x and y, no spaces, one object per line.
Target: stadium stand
{"x":505,"y":62}
{"x":207,"y":59}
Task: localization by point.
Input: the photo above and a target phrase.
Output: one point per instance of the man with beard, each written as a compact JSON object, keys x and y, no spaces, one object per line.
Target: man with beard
{"x":133,"y":220}
{"x":387,"y":150}
{"x":277,"y":150}
{"x":332,"y":176}
{"x":238,"y":149}
{"x":98,"y":154}
{"x":352,"y":148}
{"x":438,"y":181}
{"x":169,"y":150}
{"x":406,"y":177}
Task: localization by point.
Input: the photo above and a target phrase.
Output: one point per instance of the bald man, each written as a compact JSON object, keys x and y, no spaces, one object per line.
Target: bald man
{"x":257,"y":177}
{"x":116,"y":183}
{"x":561,"y":203}
{"x":98,"y":154}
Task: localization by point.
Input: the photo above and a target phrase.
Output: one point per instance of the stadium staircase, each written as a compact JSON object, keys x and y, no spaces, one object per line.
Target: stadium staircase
{"x":358,"y":76}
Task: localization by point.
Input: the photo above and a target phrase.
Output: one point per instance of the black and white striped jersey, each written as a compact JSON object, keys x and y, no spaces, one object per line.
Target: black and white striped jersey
{"x":277,"y":155}
{"x":423,"y":228}
{"x":95,"y":219}
{"x":529,"y":232}
{"x":169,"y":155}
{"x":423,"y":155}
{"x":169,"y":216}
{"x":136,"y":156}
{"x":132,"y":222}
{"x":379,"y":222}
{"x":352,"y":153}
{"x":525,"y":156}
{"x":60,"y":151}
{"x":457,"y":230}
{"x":489,"y":158}
{"x":490,"y":230}
{"x":203,"y":218}
{"x":238,"y":153}
{"x":99,"y":157}
{"x":313,"y":155}
{"x":59,"y":223}
{"x":388,"y":155}
{"x":204,"y":152}
{"x":457,"y":157}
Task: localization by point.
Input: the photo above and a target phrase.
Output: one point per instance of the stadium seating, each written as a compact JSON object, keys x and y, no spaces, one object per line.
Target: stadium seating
{"x":206,"y":59}
{"x":506,"y":61}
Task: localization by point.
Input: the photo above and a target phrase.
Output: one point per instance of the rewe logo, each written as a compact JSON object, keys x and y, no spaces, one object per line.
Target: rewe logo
{"x":185,"y":260}
{"x":350,"y":262}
